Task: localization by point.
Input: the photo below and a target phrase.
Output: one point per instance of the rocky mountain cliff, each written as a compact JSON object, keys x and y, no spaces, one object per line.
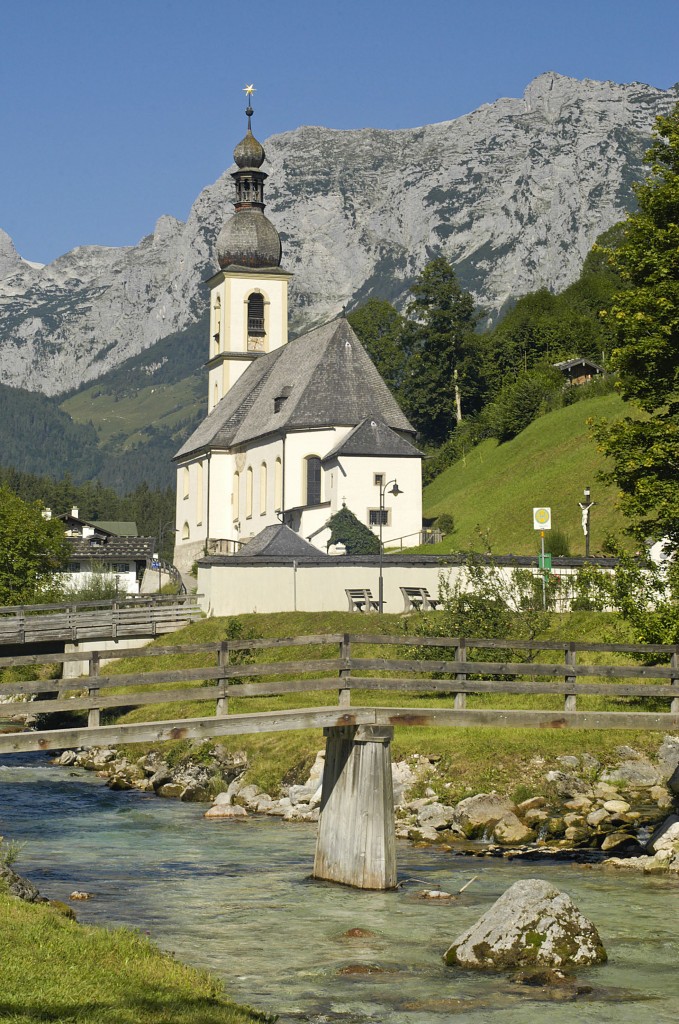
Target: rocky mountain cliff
{"x":513,"y":193}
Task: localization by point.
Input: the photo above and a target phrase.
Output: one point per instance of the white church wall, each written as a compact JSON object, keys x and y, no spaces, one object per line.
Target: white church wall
{"x":259,"y":511}
{"x":298,"y":447}
{"x":231,"y":589}
{"x":190,"y":512}
{"x":357,"y":487}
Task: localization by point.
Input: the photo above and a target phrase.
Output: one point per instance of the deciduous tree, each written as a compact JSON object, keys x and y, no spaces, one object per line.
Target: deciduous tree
{"x":32,"y":548}
{"x":644,"y":318}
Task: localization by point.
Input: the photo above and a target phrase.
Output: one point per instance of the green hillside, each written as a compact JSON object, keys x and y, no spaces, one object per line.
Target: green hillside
{"x":492,"y":492}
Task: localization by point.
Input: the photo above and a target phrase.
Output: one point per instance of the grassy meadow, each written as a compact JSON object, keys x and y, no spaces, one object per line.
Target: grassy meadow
{"x":492,"y":491}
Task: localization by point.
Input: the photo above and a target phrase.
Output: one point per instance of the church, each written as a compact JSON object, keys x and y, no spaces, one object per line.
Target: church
{"x":295,"y":428}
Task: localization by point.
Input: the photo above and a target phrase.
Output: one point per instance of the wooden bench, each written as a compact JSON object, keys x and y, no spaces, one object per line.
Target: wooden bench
{"x":418,"y":599}
{"x":361,"y":600}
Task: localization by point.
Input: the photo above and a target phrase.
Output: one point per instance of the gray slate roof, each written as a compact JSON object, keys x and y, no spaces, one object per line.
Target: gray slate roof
{"x":372,"y":436}
{"x":278,"y":541}
{"x":331,"y":380}
{"x":119,"y":548}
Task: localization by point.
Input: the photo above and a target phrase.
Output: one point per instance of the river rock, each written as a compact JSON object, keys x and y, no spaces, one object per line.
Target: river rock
{"x":532,"y":923}
{"x":435,"y":815}
{"x":226,"y":811}
{"x":666,"y":837}
{"x":596,"y":818}
{"x":67,"y":757}
{"x":616,"y":807}
{"x":511,"y":831}
{"x":20,"y":887}
{"x":565,"y":785}
{"x":477,"y":815}
{"x":668,"y":757}
{"x":532,"y":804}
{"x":620,"y":841}
{"x":171,"y":790}
{"x":633,"y":773}
{"x":161,"y":776}
{"x":402,"y":778}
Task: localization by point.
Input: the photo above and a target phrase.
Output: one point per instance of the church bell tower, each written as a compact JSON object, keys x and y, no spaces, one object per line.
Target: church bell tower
{"x":249,"y":294}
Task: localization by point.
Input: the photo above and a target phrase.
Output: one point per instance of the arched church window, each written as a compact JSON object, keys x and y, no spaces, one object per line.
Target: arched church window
{"x":313,"y":480}
{"x":199,"y":494}
{"x":217,"y":322}
{"x":278,"y":485}
{"x":185,"y":531}
{"x":248,"y":492}
{"x":262,"y":489}
{"x":235,"y":496}
{"x":256,"y":315}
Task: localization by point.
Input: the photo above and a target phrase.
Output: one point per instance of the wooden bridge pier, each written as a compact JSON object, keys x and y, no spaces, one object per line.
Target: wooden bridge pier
{"x":356,"y":842}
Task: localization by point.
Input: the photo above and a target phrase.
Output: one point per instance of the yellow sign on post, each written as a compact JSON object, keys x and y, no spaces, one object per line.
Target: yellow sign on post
{"x":542,"y":518}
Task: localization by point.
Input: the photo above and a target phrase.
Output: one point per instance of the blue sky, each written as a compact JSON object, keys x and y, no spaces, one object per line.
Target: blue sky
{"x":114,"y":113}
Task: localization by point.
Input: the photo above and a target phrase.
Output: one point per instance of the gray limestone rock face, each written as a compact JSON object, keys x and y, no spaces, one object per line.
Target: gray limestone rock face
{"x":514,"y":194}
{"x":18,"y":886}
{"x":532,"y":924}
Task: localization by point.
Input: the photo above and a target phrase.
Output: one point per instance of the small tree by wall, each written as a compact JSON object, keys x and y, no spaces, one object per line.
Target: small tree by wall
{"x":346,"y":529}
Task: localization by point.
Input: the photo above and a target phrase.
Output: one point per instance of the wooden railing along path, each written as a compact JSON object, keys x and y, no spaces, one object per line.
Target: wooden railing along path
{"x":97,"y":620}
{"x":634,"y":684}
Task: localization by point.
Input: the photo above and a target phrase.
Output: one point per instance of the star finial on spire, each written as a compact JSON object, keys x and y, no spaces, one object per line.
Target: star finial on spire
{"x":249,"y":90}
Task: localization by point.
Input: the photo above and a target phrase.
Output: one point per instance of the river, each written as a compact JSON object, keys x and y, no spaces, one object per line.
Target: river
{"x":235,"y":896}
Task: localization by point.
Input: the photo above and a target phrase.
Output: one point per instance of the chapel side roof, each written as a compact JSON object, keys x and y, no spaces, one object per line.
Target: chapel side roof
{"x":278,"y":541}
{"x":330,"y":381}
{"x":372,"y":436}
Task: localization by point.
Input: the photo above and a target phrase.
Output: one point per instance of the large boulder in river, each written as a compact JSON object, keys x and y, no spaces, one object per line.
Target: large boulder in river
{"x":532,"y":924}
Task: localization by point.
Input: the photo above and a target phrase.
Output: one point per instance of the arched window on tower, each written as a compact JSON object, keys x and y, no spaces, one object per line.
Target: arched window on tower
{"x":217,"y":322}
{"x":313,"y":480}
{"x":256,"y":330}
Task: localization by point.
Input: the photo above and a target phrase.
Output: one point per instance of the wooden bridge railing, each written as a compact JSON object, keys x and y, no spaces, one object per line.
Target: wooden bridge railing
{"x":75,"y":621}
{"x":457,"y":676}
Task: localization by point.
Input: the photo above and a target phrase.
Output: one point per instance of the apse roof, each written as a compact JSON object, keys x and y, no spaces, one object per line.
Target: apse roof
{"x":374,"y":437}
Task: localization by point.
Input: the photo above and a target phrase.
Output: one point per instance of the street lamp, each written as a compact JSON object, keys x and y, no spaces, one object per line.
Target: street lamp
{"x":585,"y":507}
{"x":395,"y":490}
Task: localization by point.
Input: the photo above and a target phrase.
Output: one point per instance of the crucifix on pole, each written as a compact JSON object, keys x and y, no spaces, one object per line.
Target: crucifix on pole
{"x":585,"y":507}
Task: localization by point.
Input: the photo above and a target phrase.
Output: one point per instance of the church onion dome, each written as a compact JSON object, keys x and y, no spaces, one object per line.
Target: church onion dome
{"x":249,"y":152}
{"x":248,"y":239}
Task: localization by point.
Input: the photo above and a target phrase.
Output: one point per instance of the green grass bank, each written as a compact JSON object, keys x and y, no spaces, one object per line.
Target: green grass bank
{"x":54,"y":969}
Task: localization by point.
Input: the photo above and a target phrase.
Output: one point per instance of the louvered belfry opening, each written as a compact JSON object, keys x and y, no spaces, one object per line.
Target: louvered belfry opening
{"x":256,"y":315}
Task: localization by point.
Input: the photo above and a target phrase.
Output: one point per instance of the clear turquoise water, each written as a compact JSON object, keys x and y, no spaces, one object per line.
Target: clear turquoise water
{"x":235,"y":896}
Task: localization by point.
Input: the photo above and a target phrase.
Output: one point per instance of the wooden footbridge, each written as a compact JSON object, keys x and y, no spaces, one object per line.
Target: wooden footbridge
{"x":133,"y":617}
{"x":436,"y":683}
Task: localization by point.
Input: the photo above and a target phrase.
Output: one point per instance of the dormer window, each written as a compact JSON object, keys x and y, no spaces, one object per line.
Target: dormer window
{"x":279,"y":400}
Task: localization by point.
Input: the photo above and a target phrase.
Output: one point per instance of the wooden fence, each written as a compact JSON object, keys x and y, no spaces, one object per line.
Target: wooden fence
{"x":342,"y":671}
{"x":96,"y":620}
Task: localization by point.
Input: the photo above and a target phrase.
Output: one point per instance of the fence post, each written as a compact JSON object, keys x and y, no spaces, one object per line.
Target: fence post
{"x":674,"y":684}
{"x":461,"y":677}
{"x":222,"y":660}
{"x":344,"y":692}
{"x":22,"y":625}
{"x":570,"y":702}
{"x":94,"y":714}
